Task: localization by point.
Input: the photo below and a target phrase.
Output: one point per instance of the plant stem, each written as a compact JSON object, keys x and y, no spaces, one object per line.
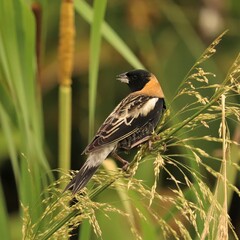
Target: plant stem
{"x":65,"y":102}
{"x":66,"y":50}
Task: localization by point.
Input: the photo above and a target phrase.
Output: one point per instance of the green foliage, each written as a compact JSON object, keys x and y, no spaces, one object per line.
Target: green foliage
{"x":21,"y":117}
{"x":195,"y":206}
{"x":181,"y":154}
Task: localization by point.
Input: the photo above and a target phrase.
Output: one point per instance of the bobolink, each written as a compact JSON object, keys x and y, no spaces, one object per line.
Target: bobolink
{"x":131,"y":123}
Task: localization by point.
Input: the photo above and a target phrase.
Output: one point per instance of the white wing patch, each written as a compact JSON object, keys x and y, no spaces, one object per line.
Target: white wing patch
{"x":138,"y":111}
{"x":146,"y":108}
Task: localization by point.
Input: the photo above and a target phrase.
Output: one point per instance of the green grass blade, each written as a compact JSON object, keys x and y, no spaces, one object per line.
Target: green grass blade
{"x":18,"y":69}
{"x":95,"y":46}
{"x":4,"y":228}
{"x":8,"y":132}
{"x":59,"y":224}
{"x":85,"y":231}
{"x":17,"y":40}
{"x":13,"y":73}
{"x":31,"y":189}
{"x":110,"y":35}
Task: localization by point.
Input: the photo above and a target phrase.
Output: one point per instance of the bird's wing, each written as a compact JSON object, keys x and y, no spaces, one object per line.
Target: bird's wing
{"x":132,"y":113}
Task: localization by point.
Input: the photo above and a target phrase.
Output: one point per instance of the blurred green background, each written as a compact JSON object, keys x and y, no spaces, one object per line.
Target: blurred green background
{"x":166,"y":36}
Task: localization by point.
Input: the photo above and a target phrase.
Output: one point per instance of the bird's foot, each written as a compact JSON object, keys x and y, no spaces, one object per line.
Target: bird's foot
{"x":151,"y":140}
{"x":120,"y":159}
{"x":125,"y":167}
{"x":155,"y":138}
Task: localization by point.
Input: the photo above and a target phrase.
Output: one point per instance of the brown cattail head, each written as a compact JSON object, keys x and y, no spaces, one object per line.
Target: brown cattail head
{"x":66,"y":44}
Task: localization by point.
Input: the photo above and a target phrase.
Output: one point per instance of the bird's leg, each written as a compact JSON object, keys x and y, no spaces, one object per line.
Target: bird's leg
{"x":124,"y":162}
{"x":151,"y":140}
{"x":155,"y":137}
{"x":149,"y":145}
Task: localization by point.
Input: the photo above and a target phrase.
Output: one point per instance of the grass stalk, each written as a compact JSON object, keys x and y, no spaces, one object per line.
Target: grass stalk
{"x":222,"y":232}
{"x":220,"y":195}
{"x":66,"y":49}
{"x":76,"y":212}
{"x":60,"y":224}
{"x":224,"y":150}
{"x":65,"y":112}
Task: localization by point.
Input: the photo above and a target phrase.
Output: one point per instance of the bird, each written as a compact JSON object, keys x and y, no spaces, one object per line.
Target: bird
{"x":130,"y":124}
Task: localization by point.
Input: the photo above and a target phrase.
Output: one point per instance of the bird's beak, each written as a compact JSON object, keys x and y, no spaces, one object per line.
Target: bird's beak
{"x":123,"y":78}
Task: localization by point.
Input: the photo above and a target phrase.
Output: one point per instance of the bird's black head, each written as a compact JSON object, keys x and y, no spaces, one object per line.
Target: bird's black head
{"x":135,"y":79}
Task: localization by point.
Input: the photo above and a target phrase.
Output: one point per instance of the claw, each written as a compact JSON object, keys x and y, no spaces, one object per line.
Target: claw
{"x":150,"y":142}
{"x":153,"y":139}
{"x":125,"y":166}
{"x":123,"y":161}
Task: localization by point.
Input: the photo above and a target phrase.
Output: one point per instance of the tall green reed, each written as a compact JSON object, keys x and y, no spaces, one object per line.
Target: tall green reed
{"x":21,"y":117}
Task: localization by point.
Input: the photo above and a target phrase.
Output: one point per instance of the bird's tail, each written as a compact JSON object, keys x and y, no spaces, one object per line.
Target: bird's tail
{"x":88,"y":169}
{"x":82,"y":178}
